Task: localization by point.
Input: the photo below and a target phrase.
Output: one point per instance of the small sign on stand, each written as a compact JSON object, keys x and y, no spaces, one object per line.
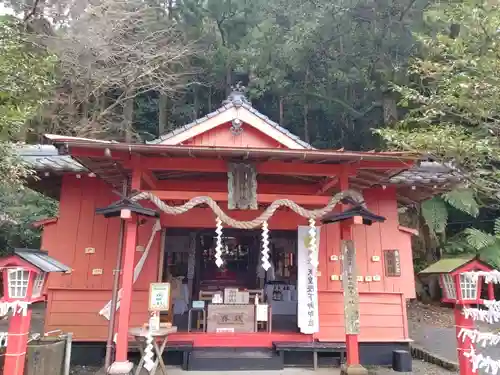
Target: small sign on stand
{"x":159,"y":297}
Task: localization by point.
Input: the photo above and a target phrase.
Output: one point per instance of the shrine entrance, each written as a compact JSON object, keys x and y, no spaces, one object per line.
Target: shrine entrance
{"x":189,"y":264}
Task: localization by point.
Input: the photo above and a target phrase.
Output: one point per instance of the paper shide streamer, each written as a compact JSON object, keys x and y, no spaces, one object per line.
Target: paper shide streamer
{"x":489,"y":315}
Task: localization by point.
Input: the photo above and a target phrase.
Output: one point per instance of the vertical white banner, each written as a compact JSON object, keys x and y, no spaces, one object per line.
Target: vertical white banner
{"x":307,"y":283}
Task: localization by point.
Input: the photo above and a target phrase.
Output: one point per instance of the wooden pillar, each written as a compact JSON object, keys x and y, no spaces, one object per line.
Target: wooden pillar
{"x":351,"y":296}
{"x":127,"y":285}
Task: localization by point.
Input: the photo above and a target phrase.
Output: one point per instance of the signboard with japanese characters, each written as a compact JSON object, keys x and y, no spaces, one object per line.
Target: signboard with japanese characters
{"x":159,"y":297}
{"x":308,"y":318}
{"x":350,"y":285}
{"x":237,"y":318}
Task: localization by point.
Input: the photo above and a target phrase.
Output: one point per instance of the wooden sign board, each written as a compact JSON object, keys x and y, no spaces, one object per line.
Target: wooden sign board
{"x":350,"y":285}
{"x":238,"y":318}
{"x":159,"y":297}
{"x":392,"y":263}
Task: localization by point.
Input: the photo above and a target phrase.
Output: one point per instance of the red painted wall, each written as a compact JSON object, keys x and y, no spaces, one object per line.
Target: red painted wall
{"x":221,"y":136}
{"x":74,"y":300}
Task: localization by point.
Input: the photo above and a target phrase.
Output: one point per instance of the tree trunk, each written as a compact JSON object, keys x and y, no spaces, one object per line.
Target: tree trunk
{"x":390,"y":108}
{"x":282,"y":105}
{"x":210,"y":98}
{"x":128,"y":115}
{"x":162,"y":114}
{"x":228,"y":79}
{"x":306,"y":107}
{"x":195,"y":103}
{"x":306,"y":122}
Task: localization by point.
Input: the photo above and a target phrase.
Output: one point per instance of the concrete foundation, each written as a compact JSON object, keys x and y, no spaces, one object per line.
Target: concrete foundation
{"x":353,"y":370}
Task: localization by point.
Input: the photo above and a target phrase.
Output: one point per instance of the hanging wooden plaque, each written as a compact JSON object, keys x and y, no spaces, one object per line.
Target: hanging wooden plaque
{"x":392,"y":263}
{"x":350,"y":285}
{"x":242,"y":186}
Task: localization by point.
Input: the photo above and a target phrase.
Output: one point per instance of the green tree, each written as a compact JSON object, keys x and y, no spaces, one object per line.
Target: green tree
{"x":453,"y":100}
{"x":19,"y":209}
{"x":476,"y":241}
{"x":26,"y":79}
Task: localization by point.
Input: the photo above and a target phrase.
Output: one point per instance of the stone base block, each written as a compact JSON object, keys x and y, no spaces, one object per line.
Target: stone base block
{"x":353,"y":370}
{"x":121,"y":368}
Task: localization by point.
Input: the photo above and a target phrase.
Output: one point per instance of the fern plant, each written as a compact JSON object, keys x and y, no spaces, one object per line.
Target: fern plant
{"x":486,"y":245}
{"x":435,"y":210}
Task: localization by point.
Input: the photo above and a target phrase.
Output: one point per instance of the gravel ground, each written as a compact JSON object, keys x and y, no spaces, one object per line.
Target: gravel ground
{"x":419,"y":367}
{"x":432,"y":326}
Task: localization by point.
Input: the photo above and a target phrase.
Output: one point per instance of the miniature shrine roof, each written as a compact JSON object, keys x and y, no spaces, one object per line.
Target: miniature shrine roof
{"x":368,"y":216}
{"x":114,"y":209}
{"x":41,"y":260}
{"x":449,"y":265}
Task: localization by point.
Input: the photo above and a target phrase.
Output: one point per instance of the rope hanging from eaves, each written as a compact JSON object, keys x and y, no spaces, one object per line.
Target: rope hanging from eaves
{"x":258,"y":221}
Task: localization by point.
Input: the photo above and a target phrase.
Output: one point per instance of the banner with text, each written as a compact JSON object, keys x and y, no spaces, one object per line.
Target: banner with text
{"x":307,"y":283}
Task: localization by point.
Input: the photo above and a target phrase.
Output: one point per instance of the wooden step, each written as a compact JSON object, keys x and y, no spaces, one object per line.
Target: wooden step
{"x":217,"y":359}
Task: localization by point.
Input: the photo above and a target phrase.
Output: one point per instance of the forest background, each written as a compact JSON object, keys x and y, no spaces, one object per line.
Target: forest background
{"x":416,"y":75}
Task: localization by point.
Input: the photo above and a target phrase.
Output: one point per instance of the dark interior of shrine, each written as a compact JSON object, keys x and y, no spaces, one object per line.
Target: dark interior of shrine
{"x":190,"y":266}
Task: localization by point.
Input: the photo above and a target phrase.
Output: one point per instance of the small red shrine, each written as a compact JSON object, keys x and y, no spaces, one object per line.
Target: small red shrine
{"x":241,"y":202}
{"x":24,"y":274}
{"x":462,"y":291}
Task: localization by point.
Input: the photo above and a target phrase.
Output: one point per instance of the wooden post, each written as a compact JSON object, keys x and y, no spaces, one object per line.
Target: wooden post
{"x":127,"y":284}
{"x":351,"y":295}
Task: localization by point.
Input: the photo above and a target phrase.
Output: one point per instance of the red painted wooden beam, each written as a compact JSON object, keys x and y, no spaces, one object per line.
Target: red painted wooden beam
{"x":270,"y":167}
{"x":327,"y":185}
{"x":306,"y":200}
{"x":221,"y":186}
{"x":218,"y":165}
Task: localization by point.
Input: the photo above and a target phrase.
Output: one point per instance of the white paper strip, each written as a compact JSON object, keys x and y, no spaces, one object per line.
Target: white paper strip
{"x":149,"y":362}
{"x":218,"y":245}
{"x":489,"y":316}
{"x":313,"y":249}
{"x":477,"y":337}
{"x":489,"y":277}
{"x":486,"y":363}
{"x":265,"y":246}
{"x":16,"y":307}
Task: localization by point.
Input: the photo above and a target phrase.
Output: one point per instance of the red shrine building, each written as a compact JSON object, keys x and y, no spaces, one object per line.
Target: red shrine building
{"x":243,"y":162}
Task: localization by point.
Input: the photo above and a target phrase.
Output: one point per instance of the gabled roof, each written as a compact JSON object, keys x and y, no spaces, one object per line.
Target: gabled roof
{"x":40,"y":259}
{"x":451,"y":265}
{"x":236,"y":106}
{"x":47,"y":158}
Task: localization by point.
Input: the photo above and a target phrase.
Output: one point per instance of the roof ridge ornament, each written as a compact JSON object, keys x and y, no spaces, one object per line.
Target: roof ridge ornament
{"x":237,"y":96}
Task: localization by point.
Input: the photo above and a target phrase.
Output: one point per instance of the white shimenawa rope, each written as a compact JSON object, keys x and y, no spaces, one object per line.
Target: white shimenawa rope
{"x":257,"y":222}
{"x":218,"y":246}
{"x":106,"y":310}
{"x":265,"y":246}
{"x":491,"y":315}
